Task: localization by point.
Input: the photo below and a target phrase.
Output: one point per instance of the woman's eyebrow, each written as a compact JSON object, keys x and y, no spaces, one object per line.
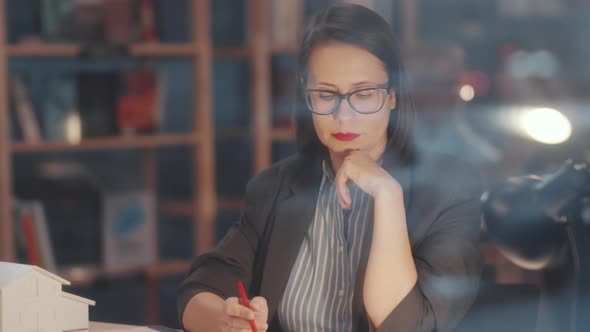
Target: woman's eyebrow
{"x":364,"y":83}
{"x":356,"y":84}
{"x":327,"y":84}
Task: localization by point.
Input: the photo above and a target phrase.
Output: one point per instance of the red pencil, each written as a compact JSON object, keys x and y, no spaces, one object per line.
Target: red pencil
{"x":245,"y":302}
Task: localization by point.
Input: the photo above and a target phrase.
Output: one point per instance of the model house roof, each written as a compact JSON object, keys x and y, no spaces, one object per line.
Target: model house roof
{"x":77,"y":298}
{"x":10,"y":272}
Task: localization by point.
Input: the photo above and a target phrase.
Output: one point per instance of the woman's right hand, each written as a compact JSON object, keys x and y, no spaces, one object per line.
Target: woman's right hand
{"x":237,"y":316}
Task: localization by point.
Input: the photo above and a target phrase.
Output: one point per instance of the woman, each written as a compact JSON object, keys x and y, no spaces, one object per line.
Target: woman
{"x":357,"y":230}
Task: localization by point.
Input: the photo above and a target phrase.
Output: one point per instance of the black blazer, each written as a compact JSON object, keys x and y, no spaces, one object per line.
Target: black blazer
{"x":442,"y":210}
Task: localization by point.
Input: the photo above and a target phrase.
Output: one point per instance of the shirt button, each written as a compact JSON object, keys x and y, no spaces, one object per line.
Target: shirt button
{"x":341,"y":292}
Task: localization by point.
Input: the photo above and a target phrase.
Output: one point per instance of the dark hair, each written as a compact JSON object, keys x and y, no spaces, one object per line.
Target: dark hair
{"x":361,"y":27}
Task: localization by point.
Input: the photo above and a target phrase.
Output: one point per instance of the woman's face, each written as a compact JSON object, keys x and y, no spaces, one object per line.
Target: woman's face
{"x":344,"y":68}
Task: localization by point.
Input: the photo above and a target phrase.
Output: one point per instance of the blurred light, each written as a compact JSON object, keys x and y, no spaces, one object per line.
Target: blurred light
{"x":518,"y":65}
{"x":546,"y":64}
{"x":477,"y":79}
{"x":467,"y":92}
{"x":546,"y":125}
{"x":73,"y":128}
{"x":523,"y":65}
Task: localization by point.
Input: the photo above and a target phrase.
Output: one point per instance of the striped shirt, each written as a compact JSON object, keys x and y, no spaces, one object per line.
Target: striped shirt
{"x":318,"y":295}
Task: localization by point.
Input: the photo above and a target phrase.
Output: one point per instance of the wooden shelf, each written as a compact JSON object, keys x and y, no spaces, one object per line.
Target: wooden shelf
{"x":234,"y":133}
{"x":233,"y":52}
{"x":40,"y":49}
{"x":85,"y":275}
{"x":122,"y":142}
{"x":176,"y":208}
{"x":277,"y":134}
{"x":232,"y":204}
{"x":283,"y":134}
{"x":245,"y":51}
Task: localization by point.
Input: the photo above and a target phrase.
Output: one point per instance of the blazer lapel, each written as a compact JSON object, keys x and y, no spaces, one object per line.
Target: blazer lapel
{"x":292,"y":218}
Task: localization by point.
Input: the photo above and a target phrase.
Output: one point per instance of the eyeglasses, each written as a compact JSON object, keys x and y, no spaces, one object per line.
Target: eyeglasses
{"x":364,"y":101}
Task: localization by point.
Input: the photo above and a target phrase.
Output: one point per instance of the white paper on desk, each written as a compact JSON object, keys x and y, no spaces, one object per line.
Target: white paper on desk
{"x":106,"y":327}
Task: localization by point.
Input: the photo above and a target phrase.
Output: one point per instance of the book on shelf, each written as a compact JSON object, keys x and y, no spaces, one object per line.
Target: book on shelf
{"x":129,"y":229}
{"x":24,"y":111}
{"x":20,"y":246}
{"x":30,"y":237}
{"x":91,"y":105}
{"x":32,"y":234}
{"x":139,"y":101}
{"x":97,"y":99}
{"x":59,"y":106}
{"x":72,"y":204}
{"x":57,"y":17}
{"x":72,"y":21}
{"x":15,"y":128}
{"x":117,"y":22}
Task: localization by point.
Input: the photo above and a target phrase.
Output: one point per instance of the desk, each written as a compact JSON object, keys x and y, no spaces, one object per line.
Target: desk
{"x":105,"y":327}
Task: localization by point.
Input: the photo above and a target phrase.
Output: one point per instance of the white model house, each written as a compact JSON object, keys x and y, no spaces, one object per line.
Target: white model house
{"x":32,"y":300}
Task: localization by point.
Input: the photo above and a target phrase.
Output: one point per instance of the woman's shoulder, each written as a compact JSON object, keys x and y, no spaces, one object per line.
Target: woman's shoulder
{"x":447,"y":171}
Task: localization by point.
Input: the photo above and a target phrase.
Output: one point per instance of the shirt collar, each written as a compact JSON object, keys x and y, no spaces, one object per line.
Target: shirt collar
{"x":328,"y":171}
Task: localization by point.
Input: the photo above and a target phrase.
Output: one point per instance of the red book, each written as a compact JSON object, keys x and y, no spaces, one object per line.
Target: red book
{"x":31,"y":239}
{"x":139,"y":102}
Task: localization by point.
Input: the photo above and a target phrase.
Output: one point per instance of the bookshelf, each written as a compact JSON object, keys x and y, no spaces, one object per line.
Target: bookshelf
{"x":200,"y":140}
{"x":257,"y":52}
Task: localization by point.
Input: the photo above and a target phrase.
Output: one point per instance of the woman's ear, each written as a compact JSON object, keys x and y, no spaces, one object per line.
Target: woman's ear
{"x":392,"y":100}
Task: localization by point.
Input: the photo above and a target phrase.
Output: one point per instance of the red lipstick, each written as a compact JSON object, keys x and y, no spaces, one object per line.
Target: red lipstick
{"x":345,"y":136}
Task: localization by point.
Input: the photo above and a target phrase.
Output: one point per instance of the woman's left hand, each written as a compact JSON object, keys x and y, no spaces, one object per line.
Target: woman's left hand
{"x":367,"y":174}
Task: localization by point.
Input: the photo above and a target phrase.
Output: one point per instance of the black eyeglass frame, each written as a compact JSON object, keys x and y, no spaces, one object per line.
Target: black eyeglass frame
{"x":347,"y":97}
